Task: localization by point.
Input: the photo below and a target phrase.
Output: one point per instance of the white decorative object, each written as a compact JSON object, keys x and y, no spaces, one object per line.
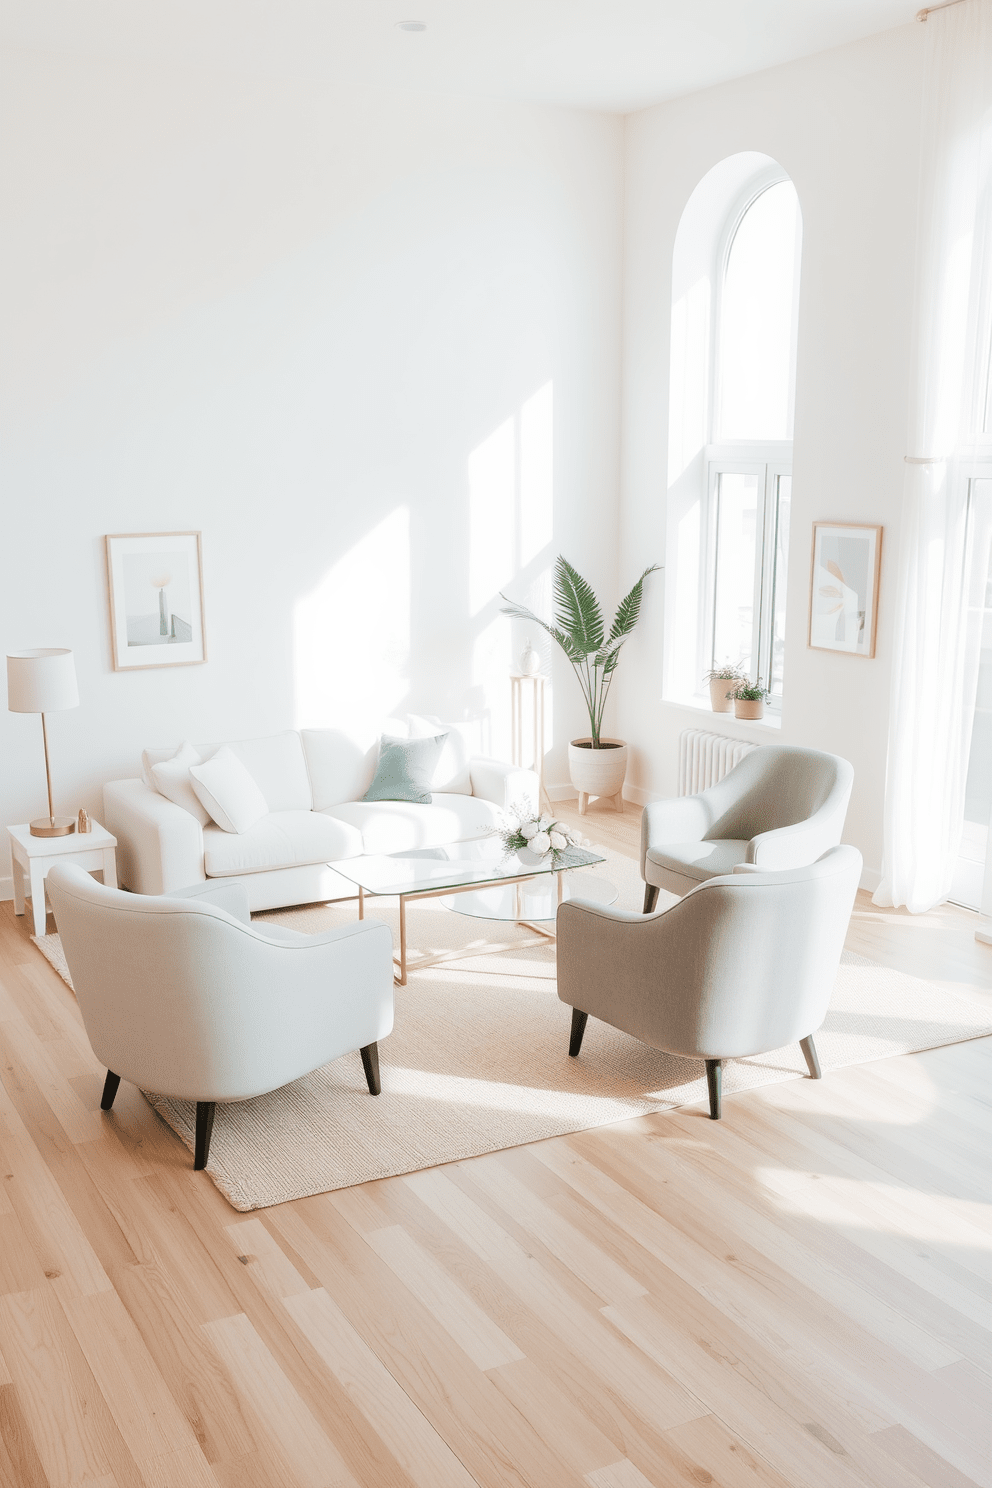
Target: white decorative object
{"x":227,"y":791}
{"x":541,"y":835}
{"x":530,"y":661}
{"x":43,"y":681}
{"x":156,"y":599}
{"x":32,"y":857}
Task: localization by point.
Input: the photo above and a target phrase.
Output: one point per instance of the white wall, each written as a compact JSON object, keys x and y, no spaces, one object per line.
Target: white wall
{"x":845,"y":126}
{"x":335,"y":332}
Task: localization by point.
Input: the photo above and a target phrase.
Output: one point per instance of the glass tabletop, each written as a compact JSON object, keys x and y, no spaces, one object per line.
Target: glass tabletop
{"x":418,"y":869}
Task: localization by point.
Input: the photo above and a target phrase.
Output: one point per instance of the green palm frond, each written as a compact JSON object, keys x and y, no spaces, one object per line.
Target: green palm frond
{"x":629,"y":608}
{"x":577,"y":608}
{"x":565,"y":641}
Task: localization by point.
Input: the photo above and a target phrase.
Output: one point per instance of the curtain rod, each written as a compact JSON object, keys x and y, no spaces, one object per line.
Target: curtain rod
{"x":921,"y":15}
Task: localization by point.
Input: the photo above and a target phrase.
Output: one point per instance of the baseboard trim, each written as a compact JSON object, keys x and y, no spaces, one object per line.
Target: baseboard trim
{"x":6,"y":888}
{"x":870,"y":879}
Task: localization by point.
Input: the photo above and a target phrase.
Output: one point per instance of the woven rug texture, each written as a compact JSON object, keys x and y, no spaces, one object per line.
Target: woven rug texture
{"x":478,"y":1059}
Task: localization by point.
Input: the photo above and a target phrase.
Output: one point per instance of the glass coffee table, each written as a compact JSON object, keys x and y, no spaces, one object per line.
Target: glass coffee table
{"x":490,"y":882}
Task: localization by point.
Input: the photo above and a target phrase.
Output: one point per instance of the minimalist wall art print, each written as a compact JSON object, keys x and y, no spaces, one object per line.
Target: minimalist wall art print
{"x":843,"y":603}
{"x":156,"y":599}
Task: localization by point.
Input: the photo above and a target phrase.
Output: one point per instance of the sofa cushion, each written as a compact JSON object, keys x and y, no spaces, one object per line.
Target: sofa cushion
{"x":699,"y":860}
{"x":279,"y":768}
{"x":171,"y":779}
{"x":391,"y":826}
{"x":229,"y":793}
{"x":405,"y":769}
{"x":283,"y":839}
{"x":451,"y":773}
{"x":341,"y":765}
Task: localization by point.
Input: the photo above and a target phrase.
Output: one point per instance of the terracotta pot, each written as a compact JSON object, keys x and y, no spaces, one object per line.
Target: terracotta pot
{"x":598,"y":772}
{"x":719,"y":687}
{"x":749,"y":708}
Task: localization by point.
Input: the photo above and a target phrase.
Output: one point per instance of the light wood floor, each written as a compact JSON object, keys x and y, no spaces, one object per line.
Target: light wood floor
{"x":794,"y":1296}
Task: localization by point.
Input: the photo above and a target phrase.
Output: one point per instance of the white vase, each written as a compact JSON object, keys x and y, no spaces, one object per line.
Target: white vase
{"x":530,"y":661}
{"x":598,"y":772}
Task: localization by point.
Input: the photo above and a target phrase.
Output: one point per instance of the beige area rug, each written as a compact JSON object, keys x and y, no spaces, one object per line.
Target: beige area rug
{"x":478,"y":1059}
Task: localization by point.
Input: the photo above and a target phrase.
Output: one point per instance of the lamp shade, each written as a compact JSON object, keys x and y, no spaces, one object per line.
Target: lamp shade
{"x":41,"y":681}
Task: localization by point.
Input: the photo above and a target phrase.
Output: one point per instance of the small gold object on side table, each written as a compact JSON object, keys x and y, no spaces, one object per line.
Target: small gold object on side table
{"x":83,"y":820}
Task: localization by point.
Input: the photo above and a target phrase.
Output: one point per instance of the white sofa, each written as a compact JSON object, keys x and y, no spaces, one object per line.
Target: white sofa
{"x":313,"y":781}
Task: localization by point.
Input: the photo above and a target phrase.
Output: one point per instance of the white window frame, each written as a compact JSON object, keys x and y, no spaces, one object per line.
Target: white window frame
{"x":768,"y":460}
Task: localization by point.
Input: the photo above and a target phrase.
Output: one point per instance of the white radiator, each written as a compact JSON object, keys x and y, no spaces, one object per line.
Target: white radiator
{"x":705,"y":758}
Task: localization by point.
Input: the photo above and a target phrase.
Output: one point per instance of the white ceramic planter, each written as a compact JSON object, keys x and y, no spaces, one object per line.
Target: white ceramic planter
{"x":598,"y":772}
{"x":719,"y":687}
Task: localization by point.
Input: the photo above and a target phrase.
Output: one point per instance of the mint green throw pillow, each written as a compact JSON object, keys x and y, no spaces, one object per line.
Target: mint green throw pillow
{"x":405,"y":770}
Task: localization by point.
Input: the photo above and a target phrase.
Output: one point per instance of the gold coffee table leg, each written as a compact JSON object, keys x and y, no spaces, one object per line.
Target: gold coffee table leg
{"x":402,"y":975}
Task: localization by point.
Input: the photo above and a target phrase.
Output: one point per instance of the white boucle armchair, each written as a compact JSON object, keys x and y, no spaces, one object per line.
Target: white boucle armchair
{"x":744,"y":964}
{"x":780,"y":807}
{"x":186,"y":997}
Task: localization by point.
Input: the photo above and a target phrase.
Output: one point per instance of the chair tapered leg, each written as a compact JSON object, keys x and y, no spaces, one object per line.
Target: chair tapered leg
{"x":204,"y":1127}
{"x":110,"y":1085}
{"x":714,"y":1081}
{"x":809,"y":1054}
{"x":579,"y":1021}
{"x":370,"y":1061}
{"x":650,"y":897}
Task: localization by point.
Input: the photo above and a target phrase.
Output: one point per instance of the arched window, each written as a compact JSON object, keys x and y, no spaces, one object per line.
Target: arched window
{"x":734,"y":316}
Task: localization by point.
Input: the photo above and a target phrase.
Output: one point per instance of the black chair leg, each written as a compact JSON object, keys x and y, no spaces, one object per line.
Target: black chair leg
{"x":579,"y":1021}
{"x":110,"y":1085}
{"x":370,"y":1062}
{"x":714,"y":1080}
{"x":204,"y":1127}
{"x":809,"y":1054}
{"x":650,"y":897}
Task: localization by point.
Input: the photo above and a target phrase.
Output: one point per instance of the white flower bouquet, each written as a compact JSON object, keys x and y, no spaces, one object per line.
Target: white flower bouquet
{"x":541,"y":834}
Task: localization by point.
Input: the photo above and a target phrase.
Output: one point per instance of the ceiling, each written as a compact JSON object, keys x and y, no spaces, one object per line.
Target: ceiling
{"x":615,"y":55}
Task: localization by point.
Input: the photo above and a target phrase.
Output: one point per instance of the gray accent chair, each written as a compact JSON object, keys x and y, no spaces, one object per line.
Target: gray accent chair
{"x":780,"y":807}
{"x":744,"y":964}
{"x":184,"y":996}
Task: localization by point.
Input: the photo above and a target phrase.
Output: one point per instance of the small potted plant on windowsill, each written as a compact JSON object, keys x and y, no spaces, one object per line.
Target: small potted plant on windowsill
{"x":723,"y":680}
{"x":749,"y":699}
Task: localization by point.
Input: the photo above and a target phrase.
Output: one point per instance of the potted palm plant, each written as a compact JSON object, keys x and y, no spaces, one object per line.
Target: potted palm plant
{"x":749,"y":699}
{"x":597,"y":766}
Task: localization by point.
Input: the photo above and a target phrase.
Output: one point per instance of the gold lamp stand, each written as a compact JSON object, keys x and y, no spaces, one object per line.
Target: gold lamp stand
{"x":51,"y":825}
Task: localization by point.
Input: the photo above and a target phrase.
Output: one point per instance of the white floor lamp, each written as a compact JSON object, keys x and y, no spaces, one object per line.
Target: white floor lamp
{"x":43,"y":682}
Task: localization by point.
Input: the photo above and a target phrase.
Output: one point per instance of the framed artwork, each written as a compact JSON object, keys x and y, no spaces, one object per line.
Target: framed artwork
{"x":843,"y":601}
{"x":156,"y":599}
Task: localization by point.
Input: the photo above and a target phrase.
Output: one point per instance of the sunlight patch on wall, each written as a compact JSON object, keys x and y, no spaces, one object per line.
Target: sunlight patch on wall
{"x":352,"y":633}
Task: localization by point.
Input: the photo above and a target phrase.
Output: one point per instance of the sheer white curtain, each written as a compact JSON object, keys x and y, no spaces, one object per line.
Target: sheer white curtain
{"x":936,"y":654}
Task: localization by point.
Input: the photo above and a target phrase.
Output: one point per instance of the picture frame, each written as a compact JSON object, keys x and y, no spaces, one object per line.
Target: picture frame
{"x":843,"y":587}
{"x":155,"y":581}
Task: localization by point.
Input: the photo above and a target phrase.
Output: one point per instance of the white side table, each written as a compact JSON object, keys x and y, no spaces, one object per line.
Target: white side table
{"x":31,"y":858}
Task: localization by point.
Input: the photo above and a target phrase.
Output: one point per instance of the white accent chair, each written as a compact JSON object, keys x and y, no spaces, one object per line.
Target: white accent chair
{"x":186,"y":997}
{"x":779,"y":807}
{"x":742,"y":965}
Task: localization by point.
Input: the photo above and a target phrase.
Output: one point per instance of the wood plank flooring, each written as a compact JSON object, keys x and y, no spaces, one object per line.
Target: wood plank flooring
{"x":796,"y":1297}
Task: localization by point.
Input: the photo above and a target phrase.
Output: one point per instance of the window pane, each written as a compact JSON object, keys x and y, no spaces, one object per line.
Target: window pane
{"x":756,"y":319}
{"x":733,"y":597}
{"x":780,"y":565}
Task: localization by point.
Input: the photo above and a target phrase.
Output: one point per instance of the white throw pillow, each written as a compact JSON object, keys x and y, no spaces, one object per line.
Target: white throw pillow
{"x":171,"y":778}
{"x":229,"y":793}
{"x":451,"y":774}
